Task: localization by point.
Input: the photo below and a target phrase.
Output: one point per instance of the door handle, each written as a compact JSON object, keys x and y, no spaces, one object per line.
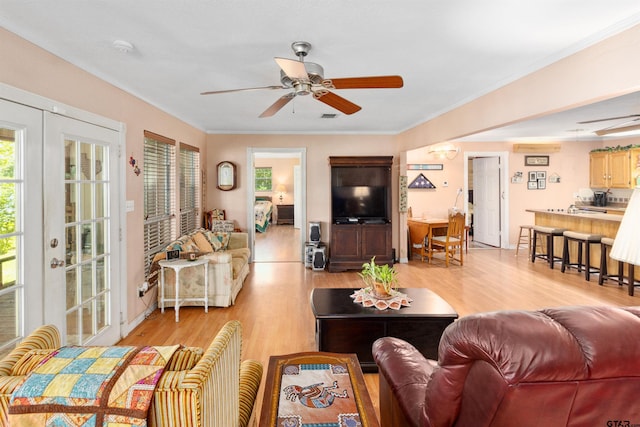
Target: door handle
{"x":55,"y":263}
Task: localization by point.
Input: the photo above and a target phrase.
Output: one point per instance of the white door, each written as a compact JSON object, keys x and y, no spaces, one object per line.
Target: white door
{"x":81,"y":230}
{"x":486,"y":200}
{"x":20,"y":222}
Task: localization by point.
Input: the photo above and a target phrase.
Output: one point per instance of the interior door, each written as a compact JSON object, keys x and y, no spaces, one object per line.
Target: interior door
{"x":486,"y":200}
{"x":20,"y":222}
{"x":81,"y":231}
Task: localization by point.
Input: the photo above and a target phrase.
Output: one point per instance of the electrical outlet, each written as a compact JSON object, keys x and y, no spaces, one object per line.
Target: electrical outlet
{"x":142,"y":289}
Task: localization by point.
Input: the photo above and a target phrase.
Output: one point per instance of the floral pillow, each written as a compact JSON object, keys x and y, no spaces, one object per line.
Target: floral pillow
{"x":219,"y":240}
{"x":183,"y":244}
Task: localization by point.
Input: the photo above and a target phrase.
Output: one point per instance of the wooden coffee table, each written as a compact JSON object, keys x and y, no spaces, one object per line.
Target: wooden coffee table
{"x":316,"y":388}
{"x":343,"y":326}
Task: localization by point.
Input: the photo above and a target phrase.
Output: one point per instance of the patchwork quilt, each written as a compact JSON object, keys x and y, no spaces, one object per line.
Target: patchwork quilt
{"x":90,"y":386}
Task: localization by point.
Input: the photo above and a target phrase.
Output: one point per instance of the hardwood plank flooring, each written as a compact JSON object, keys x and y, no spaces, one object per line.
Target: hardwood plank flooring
{"x":274,"y":309}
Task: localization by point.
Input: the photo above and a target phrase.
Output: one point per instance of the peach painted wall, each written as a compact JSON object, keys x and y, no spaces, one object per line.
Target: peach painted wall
{"x":37,"y":71}
{"x":281,"y":173}
{"x":318,"y":148}
{"x":571,"y":163}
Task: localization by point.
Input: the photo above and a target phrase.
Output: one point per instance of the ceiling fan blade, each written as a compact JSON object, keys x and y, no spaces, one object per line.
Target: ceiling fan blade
{"x":276,"y":106}
{"x":609,"y":118}
{"x":215,"y":92}
{"x":372,"y":82}
{"x":338,"y":102}
{"x":292,"y":68}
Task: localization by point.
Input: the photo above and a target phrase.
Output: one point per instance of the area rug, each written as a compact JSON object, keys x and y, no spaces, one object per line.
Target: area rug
{"x":316,"y":390}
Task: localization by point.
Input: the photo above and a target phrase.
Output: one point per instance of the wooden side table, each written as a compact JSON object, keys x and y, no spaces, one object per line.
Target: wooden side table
{"x":177,"y":265}
{"x":285,"y":214}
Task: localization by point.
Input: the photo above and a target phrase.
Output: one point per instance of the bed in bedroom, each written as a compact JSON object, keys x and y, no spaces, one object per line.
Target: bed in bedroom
{"x":263,"y":209}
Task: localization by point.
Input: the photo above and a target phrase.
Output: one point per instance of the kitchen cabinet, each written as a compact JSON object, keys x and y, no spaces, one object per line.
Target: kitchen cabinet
{"x":611,"y":169}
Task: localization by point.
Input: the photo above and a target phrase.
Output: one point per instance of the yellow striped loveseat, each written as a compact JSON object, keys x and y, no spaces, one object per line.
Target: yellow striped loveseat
{"x":210,"y":387}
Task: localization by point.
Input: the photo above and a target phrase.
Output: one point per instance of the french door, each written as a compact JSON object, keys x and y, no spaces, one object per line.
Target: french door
{"x":81,"y":230}
{"x":59,"y":226}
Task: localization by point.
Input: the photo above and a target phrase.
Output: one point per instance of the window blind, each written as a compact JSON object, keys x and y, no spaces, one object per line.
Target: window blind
{"x":159,"y":194}
{"x":189,"y":188}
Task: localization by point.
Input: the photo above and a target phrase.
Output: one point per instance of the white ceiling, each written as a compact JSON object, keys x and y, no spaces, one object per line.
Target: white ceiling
{"x":448,"y":52}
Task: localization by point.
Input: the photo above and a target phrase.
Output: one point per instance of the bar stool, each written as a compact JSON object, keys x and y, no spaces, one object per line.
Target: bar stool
{"x":582,"y":239}
{"x":605,"y":243}
{"x":549,"y":233}
{"x":524,"y":238}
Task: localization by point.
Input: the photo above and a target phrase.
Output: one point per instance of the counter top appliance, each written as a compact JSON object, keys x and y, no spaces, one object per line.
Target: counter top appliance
{"x":599,"y":198}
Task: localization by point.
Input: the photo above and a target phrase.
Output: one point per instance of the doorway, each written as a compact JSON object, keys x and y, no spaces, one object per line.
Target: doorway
{"x":284,"y":237}
{"x":487,"y":198}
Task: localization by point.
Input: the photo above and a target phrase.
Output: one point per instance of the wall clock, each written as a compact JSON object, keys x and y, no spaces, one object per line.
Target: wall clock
{"x":226,"y":176}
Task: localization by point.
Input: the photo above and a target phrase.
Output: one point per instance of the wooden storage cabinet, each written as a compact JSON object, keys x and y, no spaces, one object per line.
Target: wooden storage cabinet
{"x":354,"y":244}
{"x":360,"y":211}
{"x":611,"y":169}
{"x":285,"y":214}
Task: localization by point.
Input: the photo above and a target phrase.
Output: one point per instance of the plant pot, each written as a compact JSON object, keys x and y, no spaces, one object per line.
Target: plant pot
{"x":378,"y":291}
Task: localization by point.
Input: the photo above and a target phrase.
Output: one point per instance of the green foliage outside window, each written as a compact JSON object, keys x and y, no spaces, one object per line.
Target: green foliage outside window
{"x":263,"y":179}
{"x":7,"y":195}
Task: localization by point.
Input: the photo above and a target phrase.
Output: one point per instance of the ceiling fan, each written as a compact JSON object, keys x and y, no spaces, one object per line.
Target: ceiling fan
{"x":307,"y":78}
{"x":625,"y":126}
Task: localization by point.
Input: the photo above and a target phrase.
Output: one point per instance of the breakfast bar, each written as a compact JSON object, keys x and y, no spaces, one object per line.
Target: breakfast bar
{"x":583,"y":221}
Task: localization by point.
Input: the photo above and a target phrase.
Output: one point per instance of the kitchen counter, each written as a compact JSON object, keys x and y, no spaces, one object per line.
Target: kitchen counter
{"x":582,"y":215}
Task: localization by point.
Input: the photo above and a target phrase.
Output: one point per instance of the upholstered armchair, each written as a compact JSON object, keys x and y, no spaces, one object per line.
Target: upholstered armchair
{"x":21,"y":360}
{"x":577,"y":366}
{"x":210,"y":388}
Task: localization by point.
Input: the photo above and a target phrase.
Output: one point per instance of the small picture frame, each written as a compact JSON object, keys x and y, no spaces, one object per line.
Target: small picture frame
{"x":542,"y":184}
{"x":532,"y":185}
{"x":541,"y":175}
{"x":532,"y":176}
{"x":536,"y":160}
{"x":175,"y":254}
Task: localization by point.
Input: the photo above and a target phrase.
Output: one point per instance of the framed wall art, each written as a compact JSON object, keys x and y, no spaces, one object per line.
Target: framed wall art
{"x":532,"y":185}
{"x":536,"y":160}
{"x":226,"y":176}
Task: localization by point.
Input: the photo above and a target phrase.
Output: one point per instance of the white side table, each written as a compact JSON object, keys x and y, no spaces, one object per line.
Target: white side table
{"x":177,"y":265}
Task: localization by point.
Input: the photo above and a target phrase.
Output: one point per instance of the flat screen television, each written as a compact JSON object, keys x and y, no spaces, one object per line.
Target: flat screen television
{"x":359,"y":201}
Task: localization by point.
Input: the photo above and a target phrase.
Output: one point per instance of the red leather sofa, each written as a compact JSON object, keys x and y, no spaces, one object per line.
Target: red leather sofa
{"x":568,"y":366}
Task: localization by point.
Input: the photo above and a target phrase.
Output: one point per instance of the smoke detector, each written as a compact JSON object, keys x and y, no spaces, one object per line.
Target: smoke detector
{"x":122,"y":46}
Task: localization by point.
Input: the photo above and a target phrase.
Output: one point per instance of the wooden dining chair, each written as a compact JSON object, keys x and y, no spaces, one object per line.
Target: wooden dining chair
{"x":453,"y":241}
{"x":418,"y":238}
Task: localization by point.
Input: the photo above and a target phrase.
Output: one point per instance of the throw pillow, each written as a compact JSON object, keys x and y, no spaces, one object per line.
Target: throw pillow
{"x":183,"y":244}
{"x":219,"y":240}
{"x":202,"y":242}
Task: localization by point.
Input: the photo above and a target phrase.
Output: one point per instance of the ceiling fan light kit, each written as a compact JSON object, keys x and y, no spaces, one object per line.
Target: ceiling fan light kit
{"x":307,"y":78}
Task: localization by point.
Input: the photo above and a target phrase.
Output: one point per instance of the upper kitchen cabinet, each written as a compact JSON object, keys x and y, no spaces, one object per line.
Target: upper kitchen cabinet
{"x":612,"y":169}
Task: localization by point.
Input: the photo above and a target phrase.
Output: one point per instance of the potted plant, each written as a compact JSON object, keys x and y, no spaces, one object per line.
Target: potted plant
{"x":381,"y":279}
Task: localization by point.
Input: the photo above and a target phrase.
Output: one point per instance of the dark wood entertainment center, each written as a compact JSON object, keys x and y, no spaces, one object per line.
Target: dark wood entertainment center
{"x":361,"y":211}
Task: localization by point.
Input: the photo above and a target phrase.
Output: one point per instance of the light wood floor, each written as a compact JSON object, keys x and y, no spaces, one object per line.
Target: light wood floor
{"x":273,"y":305}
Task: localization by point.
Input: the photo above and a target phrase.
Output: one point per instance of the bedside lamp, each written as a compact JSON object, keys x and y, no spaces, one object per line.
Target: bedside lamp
{"x":626,"y":246}
{"x":282,"y":190}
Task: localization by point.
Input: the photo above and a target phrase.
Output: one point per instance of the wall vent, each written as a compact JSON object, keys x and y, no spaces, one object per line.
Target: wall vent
{"x":328,"y":116}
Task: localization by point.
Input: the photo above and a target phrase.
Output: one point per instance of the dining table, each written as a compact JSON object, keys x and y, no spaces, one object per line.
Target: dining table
{"x":431,"y":225}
